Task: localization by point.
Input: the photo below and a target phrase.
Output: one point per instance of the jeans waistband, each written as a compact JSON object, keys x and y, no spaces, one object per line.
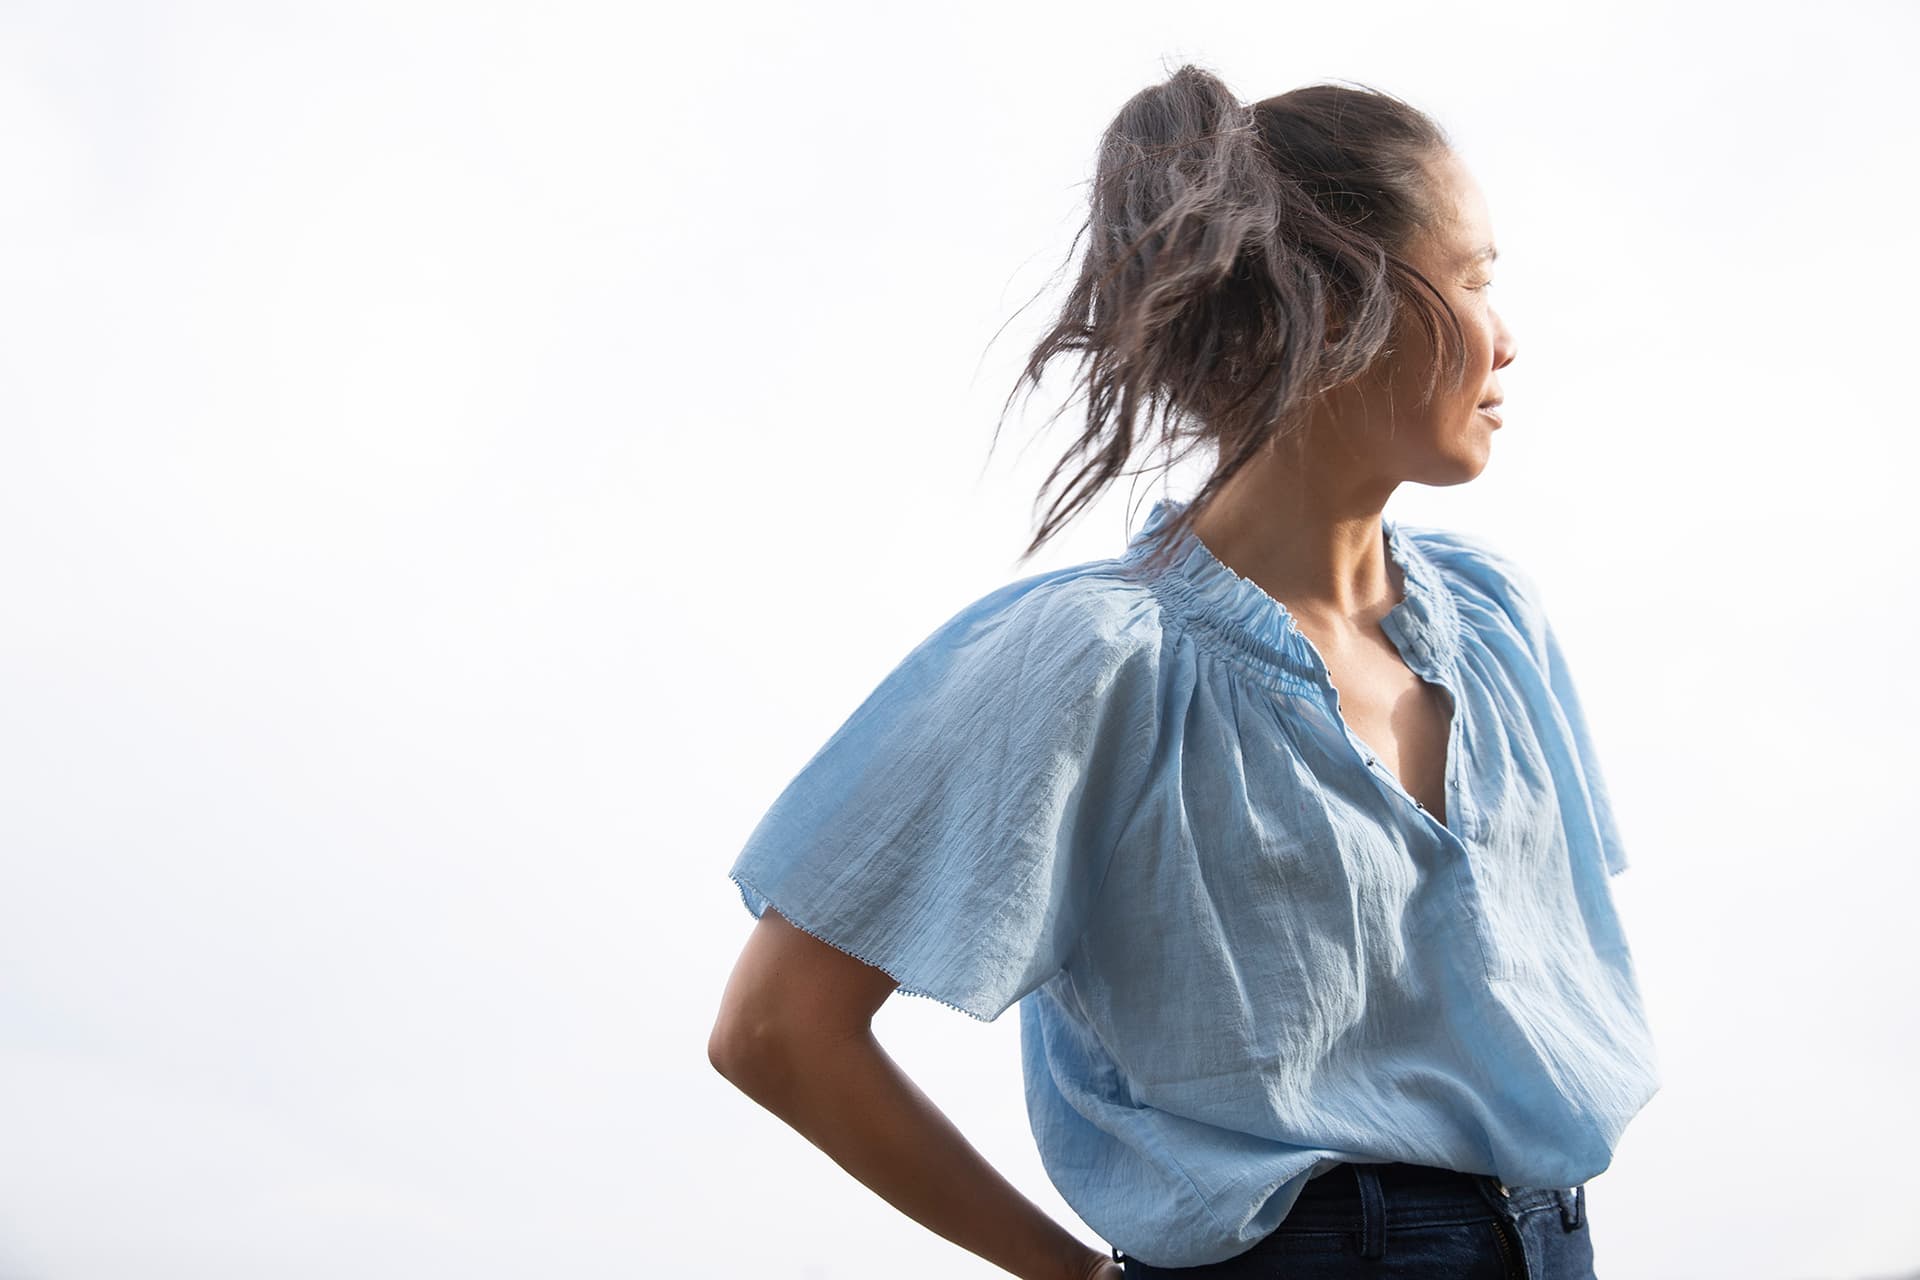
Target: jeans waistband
{"x":1411,"y":1194}
{"x":1368,"y":1198}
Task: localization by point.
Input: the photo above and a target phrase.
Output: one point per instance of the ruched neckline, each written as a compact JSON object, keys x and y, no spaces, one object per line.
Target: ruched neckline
{"x":1261,"y":631}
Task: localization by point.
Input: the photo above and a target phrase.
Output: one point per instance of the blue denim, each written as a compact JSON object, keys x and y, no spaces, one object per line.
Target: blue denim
{"x":1406,"y":1220}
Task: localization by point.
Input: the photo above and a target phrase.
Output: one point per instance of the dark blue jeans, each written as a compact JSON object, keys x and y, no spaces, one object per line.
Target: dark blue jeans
{"x":1409,"y":1220}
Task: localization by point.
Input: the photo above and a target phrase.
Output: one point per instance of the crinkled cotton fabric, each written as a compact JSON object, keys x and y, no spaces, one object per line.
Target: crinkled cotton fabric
{"x":1123,"y":797}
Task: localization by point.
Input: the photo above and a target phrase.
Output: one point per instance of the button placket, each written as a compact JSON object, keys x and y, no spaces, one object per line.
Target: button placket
{"x":1425,"y":626}
{"x":1393,"y":784}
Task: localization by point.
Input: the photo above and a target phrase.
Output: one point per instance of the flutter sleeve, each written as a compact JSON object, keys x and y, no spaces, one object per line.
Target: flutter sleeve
{"x":1586,"y":760}
{"x":956,"y":829}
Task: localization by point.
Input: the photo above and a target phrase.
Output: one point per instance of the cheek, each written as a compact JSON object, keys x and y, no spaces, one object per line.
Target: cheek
{"x":1484,"y":352}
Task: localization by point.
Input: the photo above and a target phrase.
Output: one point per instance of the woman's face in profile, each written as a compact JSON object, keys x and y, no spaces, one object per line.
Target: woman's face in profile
{"x":1448,"y":439}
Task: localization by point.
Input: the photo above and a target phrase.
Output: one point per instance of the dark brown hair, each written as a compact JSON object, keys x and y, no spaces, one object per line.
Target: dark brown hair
{"x":1225,"y":244}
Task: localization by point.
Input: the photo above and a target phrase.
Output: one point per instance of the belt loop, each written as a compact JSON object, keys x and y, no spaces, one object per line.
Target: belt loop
{"x":1573,"y":1207}
{"x":1373,"y":1213}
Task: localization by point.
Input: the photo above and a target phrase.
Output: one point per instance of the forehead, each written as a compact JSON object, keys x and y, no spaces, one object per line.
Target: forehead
{"x":1464,"y":234}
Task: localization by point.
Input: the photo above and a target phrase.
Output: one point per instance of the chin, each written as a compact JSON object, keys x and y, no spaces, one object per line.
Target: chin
{"x":1476,"y":451}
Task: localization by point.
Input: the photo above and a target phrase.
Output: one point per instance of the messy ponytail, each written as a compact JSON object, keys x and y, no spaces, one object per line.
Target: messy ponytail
{"x":1224,"y":244}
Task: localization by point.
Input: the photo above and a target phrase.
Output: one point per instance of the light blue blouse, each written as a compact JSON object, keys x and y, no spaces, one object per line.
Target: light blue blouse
{"x":1243,"y":952}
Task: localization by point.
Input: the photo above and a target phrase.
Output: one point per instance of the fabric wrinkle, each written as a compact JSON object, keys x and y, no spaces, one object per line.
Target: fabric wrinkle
{"x":1123,"y":798}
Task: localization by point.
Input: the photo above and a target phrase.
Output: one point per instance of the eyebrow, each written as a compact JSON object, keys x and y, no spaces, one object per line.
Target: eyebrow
{"x":1486,"y":253}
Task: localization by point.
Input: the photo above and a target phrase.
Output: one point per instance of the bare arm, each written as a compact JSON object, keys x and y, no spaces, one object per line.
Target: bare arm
{"x":795,"y":1034}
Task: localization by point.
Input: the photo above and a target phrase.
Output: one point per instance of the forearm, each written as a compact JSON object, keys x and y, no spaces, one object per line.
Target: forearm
{"x":845,"y":1095}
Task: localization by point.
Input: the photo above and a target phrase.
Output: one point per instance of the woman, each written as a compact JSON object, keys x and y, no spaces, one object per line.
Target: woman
{"x":1283,"y":826}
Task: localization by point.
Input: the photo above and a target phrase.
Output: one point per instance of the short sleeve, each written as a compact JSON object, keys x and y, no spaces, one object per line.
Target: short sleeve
{"x":956,"y":830}
{"x":1586,"y":758}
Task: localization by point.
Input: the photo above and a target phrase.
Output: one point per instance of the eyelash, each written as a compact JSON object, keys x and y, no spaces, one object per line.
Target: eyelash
{"x":1487,"y":285}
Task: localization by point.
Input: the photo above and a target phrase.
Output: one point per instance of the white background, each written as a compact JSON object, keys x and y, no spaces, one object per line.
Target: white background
{"x":460,"y":460}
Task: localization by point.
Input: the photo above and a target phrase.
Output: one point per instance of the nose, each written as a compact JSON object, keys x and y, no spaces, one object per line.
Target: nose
{"x":1504,"y":347}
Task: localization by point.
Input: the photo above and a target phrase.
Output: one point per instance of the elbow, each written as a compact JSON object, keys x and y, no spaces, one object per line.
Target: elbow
{"x":751,"y":1055}
{"x":724,"y":1049}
